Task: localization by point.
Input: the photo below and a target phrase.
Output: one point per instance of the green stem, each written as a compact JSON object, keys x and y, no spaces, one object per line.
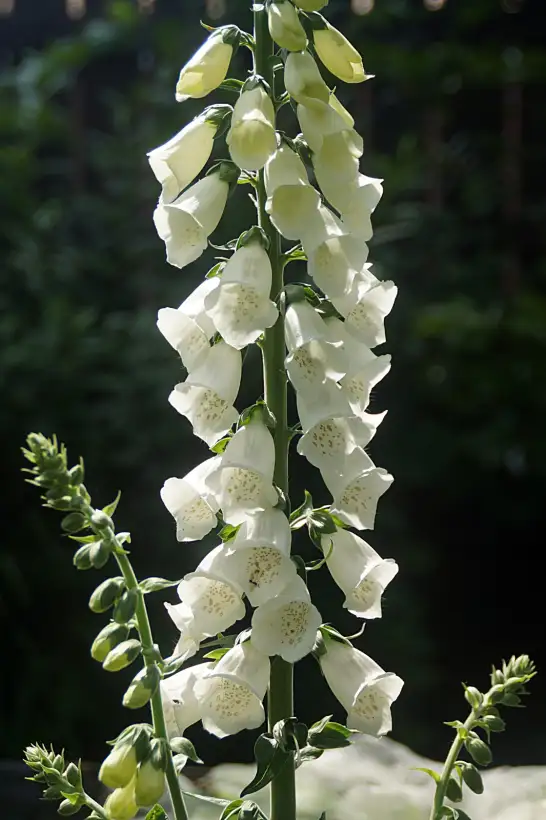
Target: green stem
{"x":453,"y":754}
{"x":281,"y":685}
{"x":96,"y":807}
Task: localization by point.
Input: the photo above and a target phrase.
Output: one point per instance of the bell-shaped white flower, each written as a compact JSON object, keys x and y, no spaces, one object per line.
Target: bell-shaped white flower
{"x":191,"y":503}
{"x":258,"y":559}
{"x":243,"y":481}
{"x":328,"y":436}
{"x":357,"y":489}
{"x":252,"y":139}
{"x":230,"y":694}
{"x":284,"y":25}
{"x":208,"y":67}
{"x":336,"y":52}
{"x":335,"y":257}
{"x":357,"y":202}
{"x":365,"y":306}
{"x":240,"y":307}
{"x":319,"y":120}
{"x":185,"y":224}
{"x":206,"y":397}
{"x":180,"y":705}
{"x":312,"y":356}
{"x":362,"y":368}
{"x":303,"y":80}
{"x":287,"y":625}
{"x":345,"y":115}
{"x":188,"y":329}
{"x":292,"y":203}
{"x":177,"y":163}
{"x":190,"y":637}
{"x":336,"y":163}
{"x":215,"y":602}
{"x":358,"y":571}
{"x":363,"y":688}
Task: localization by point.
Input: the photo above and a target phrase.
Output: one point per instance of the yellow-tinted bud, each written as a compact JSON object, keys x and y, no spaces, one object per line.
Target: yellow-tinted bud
{"x":149,"y":784}
{"x":311,"y":5}
{"x":338,"y":55}
{"x":285,"y":27}
{"x":121,"y":804}
{"x":119,"y":767}
{"x":208,"y":67}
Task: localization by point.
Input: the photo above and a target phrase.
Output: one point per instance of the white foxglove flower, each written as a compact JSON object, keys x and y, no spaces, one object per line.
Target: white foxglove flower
{"x":186,"y":224}
{"x":328,"y":436}
{"x":357,"y":489}
{"x":208,"y":67}
{"x":341,"y":110}
{"x":177,"y":163}
{"x":335,"y":52}
{"x":334,"y":256}
{"x":258,"y":559}
{"x":230,"y":694}
{"x":357,"y":202}
{"x":365,"y":306}
{"x":243,"y":481}
{"x":363,"y":688}
{"x":303,"y":80}
{"x":191,"y":503}
{"x":312,"y":356}
{"x":240,"y":307}
{"x":284,"y":25}
{"x":188,"y":329}
{"x":362,"y":368}
{"x":190,"y":638}
{"x":215,"y":602}
{"x":359,"y":572}
{"x":287,"y":625}
{"x":206,"y":397}
{"x":252,"y":139}
{"x":180,"y":705}
{"x":336,"y":163}
{"x":292,"y":203}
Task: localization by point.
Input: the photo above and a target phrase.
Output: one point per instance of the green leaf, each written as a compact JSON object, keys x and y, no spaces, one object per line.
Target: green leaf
{"x":183,"y":746}
{"x":435,"y":776}
{"x":231,"y":84}
{"x":111,"y":508}
{"x":216,"y":654}
{"x":303,"y":509}
{"x":228,"y":532}
{"x":331,"y":632}
{"x":221,"y":445}
{"x":328,"y":734}
{"x":157,"y":813}
{"x":290,"y":734}
{"x":232,"y":809}
{"x":270,"y":759}
{"x":204,"y":798}
{"x":156,"y":584}
{"x":309,"y":753}
{"x":215,"y":271}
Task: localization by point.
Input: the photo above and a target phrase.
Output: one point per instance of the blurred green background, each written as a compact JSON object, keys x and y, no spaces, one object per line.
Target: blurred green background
{"x":455,"y":123}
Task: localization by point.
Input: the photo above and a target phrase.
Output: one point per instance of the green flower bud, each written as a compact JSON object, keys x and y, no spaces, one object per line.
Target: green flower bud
{"x":101,"y":521}
{"x":496,"y":677}
{"x":75,"y":475}
{"x":125,"y":607}
{"x":66,"y":809}
{"x":142,"y":687}
{"x":122,"y":655}
{"x":479,"y":751}
{"x":99,"y":554}
{"x":73,"y":522}
{"x":494,"y":723}
{"x":510,"y":699}
{"x":121,"y":804}
{"x":74,"y":776}
{"x":496,"y":693}
{"x":522,"y":666}
{"x":106,"y":594}
{"x":52,"y":793}
{"x":453,"y":790}
{"x":471,"y":776}
{"x":82,"y":557}
{"x":473,"y":696}
{"x":150,"y":784}
{"x":119,"y":767}
{"x":513,"y":685}
{"x":109,"y":637}
{"x":58,"y":762}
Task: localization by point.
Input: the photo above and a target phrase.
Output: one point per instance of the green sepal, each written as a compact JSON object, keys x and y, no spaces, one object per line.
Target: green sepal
{"x":329,"y":632}
{"x":216,"y":654}
{"x":258,"y":411}
{"x":228,"y":532}
{"x":327,"y":734}
{"x":112,"y":507}
{"x":216,"y":270}
{"x":270,"y":760}
{"x":156,"y":585}
{"x":157,"y":812}
{"x":302,"y":511}
{"x":183,"y":746}
{"x":290,"y":734}
{"x":221,"y":445}
{"x":254,"y":234}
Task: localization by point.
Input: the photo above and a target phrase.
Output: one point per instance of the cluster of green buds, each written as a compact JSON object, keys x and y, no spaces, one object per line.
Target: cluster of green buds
{"x":60,"y":781}
{"x":508,"y":686}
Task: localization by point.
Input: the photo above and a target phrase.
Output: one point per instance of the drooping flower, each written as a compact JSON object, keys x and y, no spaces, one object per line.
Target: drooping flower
{"x":252,"y":139}
{"x":292,"y":203}
{"x":185,"y":224}
{"x":358,"y":202}
{"x":149,"y":783}
{"x":335,"y":51}
{"x":208,"y":67}
{"x":239,"y":306}
{"x":257,"y":560}
{"x":191,"y":503}
{"x":356,"y":489}
{"x":335,"y":257}
{"x":188,"y":328}
{"x":328,"y":437}
{"x":303,"y":80}
{"x":230,"y":694}
{"x":284,"y":25}
{"x":206,"y":397}
{"x":243,"y":480}
{"x":179,"y":161}
{"x":313,"y":356}
{"x":336,"y":163}
{"x":287,"y":624}
{"x":363,"y":688}
{"x":359,"y":571}
{"x":180,"y":705}
{"x":365,"y":306}
{"x":215,"y":602}
{"x":190,"y":638}
{"x":121,"y":803}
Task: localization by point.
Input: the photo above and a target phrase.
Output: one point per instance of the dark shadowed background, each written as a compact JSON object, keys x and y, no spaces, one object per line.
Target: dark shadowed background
{"x":455,"y":123}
